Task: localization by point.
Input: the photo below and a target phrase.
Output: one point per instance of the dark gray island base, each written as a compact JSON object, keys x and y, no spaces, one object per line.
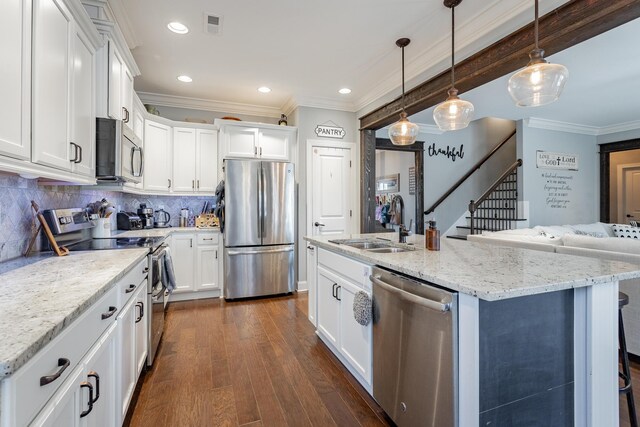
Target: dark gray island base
{"x":526,"y":361}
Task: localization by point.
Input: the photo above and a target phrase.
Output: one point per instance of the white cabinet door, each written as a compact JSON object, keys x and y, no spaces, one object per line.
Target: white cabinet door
{"x":183,"y":255}
{"x":15,"y":78}
{"x":240,"y":141}
{"x":64,"y":408}
{"x":100,"y":372}
{"x":83,"y":118}
{"x":52,"y":37}
{"x":274,"y":144}
{"x":138,"y":123}
{"x":184,"y":159}
{"x":207,"y":161}
{"x":207,"y":268}
{"x":328,"y":306}
{"x":312,"y":272}
{"x":157,"y":160}
{"x":127,"y":96}
{"x":115,"y":82}
{"x":355,"y":339}
{"x":141,"y":322}
{"x":125,"y":355}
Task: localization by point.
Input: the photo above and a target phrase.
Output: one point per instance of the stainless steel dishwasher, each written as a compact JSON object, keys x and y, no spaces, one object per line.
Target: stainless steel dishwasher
{"x":415,"y":350}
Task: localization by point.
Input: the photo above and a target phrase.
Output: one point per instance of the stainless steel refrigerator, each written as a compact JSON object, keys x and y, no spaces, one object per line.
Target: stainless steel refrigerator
{"x":259,"y":228}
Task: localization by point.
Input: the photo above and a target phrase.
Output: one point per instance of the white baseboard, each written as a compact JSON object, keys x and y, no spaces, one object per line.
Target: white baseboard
{"x":302,"y":286}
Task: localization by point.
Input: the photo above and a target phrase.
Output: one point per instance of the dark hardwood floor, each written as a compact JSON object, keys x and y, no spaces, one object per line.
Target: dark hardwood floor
{"x":254,"y":363}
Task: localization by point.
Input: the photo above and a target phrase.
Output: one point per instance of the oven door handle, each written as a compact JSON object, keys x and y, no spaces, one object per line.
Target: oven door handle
{"x":425,"y":302}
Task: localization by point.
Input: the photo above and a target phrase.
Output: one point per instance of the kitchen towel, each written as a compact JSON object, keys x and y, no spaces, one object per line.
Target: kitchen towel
{"x":362,"y":308}
{"x":169,"y":276}
{"x":219,"y":209}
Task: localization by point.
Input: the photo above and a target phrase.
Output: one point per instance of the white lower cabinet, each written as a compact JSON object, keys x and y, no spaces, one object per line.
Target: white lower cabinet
{"x":338,"y":279}
{"x":64,"y":407}
{"x":195,"y":261}
{"x":126,"y":357}
{"x":98,"y":402}
{"x":142,"y":325}
{"x":312,"y":277}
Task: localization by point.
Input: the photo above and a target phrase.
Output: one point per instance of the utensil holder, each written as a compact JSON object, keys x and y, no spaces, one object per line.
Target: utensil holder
{"x":102,"y":228}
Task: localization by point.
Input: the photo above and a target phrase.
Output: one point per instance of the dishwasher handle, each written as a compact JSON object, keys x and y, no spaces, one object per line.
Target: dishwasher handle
{"x":425,"y":302}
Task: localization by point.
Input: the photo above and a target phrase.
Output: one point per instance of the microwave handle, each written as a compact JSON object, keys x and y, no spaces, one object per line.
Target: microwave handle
{"x":133,"y":151}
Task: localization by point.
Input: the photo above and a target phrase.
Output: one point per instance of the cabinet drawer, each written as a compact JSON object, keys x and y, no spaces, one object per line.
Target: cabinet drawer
{"x":22,"y":394}
{"x":128,"y":285}
{"x":205,"y":239}
{"x":353,"y":270}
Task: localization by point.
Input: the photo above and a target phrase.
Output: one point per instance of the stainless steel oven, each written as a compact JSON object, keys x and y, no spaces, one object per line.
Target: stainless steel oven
{"x":156,"y":300}
{"x":415,"y":351}
{"x":119,"y":154}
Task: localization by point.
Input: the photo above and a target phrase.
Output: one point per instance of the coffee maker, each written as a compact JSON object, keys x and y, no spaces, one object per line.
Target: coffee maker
{"x":146,"y":215}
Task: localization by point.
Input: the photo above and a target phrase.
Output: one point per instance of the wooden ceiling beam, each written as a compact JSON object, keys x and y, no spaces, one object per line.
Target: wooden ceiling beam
{"x":560,"y":29}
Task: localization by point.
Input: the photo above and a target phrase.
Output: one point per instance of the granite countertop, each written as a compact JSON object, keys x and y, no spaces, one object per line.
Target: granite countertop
{"x":161,"y":232}
{"x":488,"y":272}
{"x":39,"y":300}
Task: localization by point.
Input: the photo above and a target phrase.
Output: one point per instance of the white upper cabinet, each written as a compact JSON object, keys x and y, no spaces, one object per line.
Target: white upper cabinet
{"x":184,"y":159}
{"x":157,"y":159}
{"x":52,"y":40}
{"x":206,"y":160}
{"x":115,"y":80}
{"x":83,"y":123}
{"x":266,"y":142}
{"x":274,"y":144}
{"x":127,"y":97}
{"x":195,"y":157}
{"x":15,"y":79}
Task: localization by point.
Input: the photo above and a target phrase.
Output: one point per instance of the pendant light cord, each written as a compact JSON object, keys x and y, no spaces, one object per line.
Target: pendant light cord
{"x":403,"y":79}
{"x":536,"y":24}
{"x":453,"y":38}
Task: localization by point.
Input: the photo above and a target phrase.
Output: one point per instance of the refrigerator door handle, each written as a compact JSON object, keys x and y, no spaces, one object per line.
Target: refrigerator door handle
{"x":263,"y":190}
{"x":260,"y":202}
{"x":268,"y":251}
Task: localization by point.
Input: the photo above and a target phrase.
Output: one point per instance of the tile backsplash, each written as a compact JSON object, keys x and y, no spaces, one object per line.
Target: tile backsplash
{"x":18,"y":223}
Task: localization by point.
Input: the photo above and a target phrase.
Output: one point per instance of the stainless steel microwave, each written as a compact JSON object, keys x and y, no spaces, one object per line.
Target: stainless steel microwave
{"x":119,"y":153}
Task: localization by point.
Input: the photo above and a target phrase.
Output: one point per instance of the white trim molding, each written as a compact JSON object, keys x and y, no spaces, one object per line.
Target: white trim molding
{"x":316,"y":102}
{"x":208,"y":105}
{"x":536,"y":122}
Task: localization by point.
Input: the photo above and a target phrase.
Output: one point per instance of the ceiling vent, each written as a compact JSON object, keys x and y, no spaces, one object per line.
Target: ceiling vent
{"x":212,"y":24}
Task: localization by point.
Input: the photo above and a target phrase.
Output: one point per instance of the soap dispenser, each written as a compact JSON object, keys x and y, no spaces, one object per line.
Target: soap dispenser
{"x":432,"y":237}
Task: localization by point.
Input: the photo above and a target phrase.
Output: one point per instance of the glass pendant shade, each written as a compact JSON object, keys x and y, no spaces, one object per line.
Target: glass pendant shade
{"x":403,"y":132}
{"x":454,"y":113}
{"x":538,"y":84}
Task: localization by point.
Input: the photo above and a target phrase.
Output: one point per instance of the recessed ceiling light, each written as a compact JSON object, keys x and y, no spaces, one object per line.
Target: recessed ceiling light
{"x":185,"y":79}
{"x":345,"y":91}
{"x":178,"y":28}
{"x":264,"y":89}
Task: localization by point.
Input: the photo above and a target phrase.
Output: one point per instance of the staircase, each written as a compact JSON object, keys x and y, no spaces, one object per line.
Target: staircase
{"x":496,"y":209}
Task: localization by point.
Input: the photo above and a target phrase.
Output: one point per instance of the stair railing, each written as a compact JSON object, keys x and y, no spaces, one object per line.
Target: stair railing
{"x":499,"y":221}
{"x":475,"y":167}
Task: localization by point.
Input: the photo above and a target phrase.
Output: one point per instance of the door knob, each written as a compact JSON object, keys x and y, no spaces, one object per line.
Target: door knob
{"x":319,"y":224}
{"x":628,"y":216}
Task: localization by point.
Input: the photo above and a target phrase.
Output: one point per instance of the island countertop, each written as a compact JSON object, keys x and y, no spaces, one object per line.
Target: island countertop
{"x":488,"y":272}
{"x":163,"y":232}
{"x":39,"y":300}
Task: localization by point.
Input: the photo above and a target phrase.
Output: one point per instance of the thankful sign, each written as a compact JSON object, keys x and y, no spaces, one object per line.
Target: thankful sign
{"x":452,"y":153}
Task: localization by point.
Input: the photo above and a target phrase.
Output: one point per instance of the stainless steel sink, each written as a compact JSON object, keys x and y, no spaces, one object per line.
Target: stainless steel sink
{"x":368,"y":245}
{"x":387,"y":250}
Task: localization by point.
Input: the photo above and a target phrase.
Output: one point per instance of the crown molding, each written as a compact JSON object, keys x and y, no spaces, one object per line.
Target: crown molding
{"x":121,"y":17}
{"x":432,"y":61}
{"x":208,"y":105}
{"x":620,"y":127}
{"x":289,"y":106}
{"x":538,"y":123}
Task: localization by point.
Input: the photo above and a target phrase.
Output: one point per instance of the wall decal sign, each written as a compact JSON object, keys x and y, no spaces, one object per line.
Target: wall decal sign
{"x":330,"y":131}
{"x":549,"y":160}
{"x":558,"y":190}
{"x":412,"y":180}
{"x":452,"y":153}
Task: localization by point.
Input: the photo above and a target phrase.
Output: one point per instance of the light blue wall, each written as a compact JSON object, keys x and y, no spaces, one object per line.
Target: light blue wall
{"x":583,"y":197}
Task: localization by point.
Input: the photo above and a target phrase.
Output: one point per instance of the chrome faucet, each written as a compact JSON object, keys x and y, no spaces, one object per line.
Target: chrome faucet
{"x":402,"y":234}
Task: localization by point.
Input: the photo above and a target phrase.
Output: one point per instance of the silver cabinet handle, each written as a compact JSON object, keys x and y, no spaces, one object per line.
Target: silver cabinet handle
{"x":433,"y":305}
{"x":133,"y":152}
{"x":193,"y":184}
{"x":260,"y":151}
{"x":255,"y":151}
{"x":197,"y":184}
{"x":169,"y":181}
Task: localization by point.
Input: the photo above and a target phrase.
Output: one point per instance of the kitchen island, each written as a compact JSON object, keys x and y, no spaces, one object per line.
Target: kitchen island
{"x":535,"y":332}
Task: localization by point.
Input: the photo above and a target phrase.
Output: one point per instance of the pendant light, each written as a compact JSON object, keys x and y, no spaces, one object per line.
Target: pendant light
{"x":539,"y":83}
{"x":403,"y":132}
{"x":454,"y":113}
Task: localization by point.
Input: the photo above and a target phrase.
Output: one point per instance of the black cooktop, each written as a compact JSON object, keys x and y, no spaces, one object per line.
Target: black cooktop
{"x":117,"y":243}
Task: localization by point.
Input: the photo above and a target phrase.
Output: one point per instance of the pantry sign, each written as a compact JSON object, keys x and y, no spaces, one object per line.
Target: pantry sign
{"x":330,"y":131}
{"x":549,"y":160}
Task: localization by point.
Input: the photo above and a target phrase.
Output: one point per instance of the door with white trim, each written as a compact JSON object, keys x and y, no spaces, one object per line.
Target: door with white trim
{"x":631,"y":195}
{"x":331,"y":190}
